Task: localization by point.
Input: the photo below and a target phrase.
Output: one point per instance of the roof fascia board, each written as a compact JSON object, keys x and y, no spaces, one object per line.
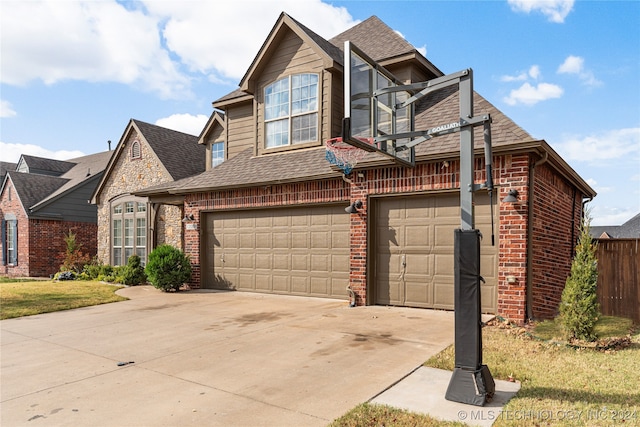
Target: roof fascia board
{"x":95,"y":197}
{"x":238,"y":100}
{"x":284,"y":22}
{"x":17,"y":194}
{"x":215,"y":119}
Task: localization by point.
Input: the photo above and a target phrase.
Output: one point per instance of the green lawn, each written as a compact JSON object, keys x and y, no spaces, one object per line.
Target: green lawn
{"x":26,"y":298}
{"x":601,"y":386}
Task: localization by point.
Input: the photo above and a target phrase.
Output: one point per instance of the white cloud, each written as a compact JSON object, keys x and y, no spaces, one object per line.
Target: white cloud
{"x":533,"y":72}
{"x":422,"y":50}
{"x":217,"y":46}
{"x":575,"y":65}
{"x":598,"y":148}
{"x":555,"y":10}
{"x":12,"y":152}
{"x":157,"y":46}
{"x":530,"y":95}
{"x":186,"y":123}
{"x":571,"y":65}
{"x":6,"y":110}
{"x":604,"y":215}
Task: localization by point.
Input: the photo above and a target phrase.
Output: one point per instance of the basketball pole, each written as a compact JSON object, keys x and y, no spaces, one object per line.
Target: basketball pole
{"x":471,"y":381}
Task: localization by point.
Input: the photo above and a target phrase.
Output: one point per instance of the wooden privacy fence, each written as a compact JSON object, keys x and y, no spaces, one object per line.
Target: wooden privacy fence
{"x":619,"y":277}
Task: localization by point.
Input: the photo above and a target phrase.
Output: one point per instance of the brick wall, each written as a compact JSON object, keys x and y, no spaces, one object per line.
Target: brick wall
{"x":41,"y":244}
{"x":510,"y":172}
{"x":557,"y":209}
{"x":47,"y":246}
{"x":512,"y":257}
{"x":10,"y":206}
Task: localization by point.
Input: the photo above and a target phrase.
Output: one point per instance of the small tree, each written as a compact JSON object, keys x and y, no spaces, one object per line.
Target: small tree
{"x":168,"y":268}
{"x":579,"y":308}
{"x":133,"y":273}
{"x":74,"y":259}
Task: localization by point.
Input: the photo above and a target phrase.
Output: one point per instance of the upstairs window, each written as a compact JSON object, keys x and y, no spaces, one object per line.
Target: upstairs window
{"x":291,"y":110}
{"x":217,"y":153}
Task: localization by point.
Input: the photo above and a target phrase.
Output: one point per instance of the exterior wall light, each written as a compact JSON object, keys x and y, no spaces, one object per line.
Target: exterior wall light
{"x":353,"y":208}
{"x":188,"y":218}
{"x":512,"y":197}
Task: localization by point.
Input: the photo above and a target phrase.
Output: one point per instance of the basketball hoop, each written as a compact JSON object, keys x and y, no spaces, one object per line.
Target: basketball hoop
{"x":343,"y":155}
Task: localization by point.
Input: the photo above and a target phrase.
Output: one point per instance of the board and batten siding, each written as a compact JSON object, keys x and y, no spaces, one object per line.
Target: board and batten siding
{"x":240,"y":128}
{"x":74,"y":206}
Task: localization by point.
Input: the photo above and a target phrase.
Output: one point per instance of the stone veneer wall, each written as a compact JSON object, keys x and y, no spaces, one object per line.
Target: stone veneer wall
{"x":129,"y":175}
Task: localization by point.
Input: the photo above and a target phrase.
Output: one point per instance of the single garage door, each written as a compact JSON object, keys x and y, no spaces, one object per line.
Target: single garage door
{"x":413,"y":251}
{"x":300,"y":251}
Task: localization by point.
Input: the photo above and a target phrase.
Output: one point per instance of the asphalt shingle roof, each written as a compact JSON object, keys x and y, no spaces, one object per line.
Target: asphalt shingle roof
{"x":628,"y":230}
{"x":375,"y":38}
{"x":33,"y":188}
{"x":57,"y":167}
{"x":179,"y":152}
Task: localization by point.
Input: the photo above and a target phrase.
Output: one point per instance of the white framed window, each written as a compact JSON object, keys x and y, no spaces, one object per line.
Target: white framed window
{"x":291,"y":110}
{"x":217,"y":153}
{"x":10,"y":243}
{"x":128,"y":231}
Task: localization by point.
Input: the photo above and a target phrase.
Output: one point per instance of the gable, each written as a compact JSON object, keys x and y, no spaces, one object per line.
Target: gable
{"x":126,"y":174}
{"x":285,"y":24}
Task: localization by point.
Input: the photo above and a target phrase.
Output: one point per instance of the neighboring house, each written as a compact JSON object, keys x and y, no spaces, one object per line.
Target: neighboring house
{"x":628,"y":230}
{"x":146,"y":155}
{"x":41,"y":201}
{"x":271,"y":218}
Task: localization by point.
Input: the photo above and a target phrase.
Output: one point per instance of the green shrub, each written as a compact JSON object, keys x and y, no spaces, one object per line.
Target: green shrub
{"x":579,"y":308}
{"x":133,"y":273}
{"x":168,"y":268}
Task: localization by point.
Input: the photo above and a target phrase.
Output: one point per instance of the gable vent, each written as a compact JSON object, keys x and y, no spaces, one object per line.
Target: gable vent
{"x":135,"y":150}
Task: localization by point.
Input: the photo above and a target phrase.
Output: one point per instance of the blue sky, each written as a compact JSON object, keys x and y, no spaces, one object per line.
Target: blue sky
{"x":73,"y":73}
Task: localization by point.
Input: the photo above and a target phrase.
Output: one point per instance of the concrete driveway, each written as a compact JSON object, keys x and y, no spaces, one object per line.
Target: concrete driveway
{"x":203,"y":358}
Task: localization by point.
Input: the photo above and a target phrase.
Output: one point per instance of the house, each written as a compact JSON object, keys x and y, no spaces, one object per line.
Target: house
{"x":146,"y":155}
{"x":271,"y":218}
{"x":41,"y":201}
{"x":628,"y":230}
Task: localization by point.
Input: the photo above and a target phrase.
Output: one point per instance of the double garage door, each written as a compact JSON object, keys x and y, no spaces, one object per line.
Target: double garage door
{"x":298,"y":251}
{"x":305,"y":251}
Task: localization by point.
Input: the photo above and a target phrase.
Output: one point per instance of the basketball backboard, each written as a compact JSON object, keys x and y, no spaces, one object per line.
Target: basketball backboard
{"x":369,"y":115}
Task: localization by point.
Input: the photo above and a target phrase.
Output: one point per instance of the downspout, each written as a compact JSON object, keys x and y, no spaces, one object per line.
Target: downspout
{"x":529,"y":307}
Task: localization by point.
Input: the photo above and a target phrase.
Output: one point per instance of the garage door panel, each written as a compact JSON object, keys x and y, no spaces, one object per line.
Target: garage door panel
{"x":417,"y":236}
{"x":281,"y":240}
{"x":319,"y":286}
{"x":281,"y":262}
{"x":320,"y":239}
{"x":320,"y":263}
{"x":340,"y":239}
{"x":418,"y":264}
{"x":294,"y":250}
{"x":281,"y":284}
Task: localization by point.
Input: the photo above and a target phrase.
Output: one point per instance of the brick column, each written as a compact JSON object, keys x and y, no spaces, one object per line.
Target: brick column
{"x":512,"y":262}
{"x":358,"y":242}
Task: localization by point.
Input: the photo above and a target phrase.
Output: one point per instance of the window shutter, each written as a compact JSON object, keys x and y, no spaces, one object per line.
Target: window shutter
{"x":4,"y":242}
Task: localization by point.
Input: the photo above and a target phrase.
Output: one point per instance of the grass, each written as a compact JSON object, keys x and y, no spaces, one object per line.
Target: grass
{"x":554,"y":376}
{"x":25,"y":298}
